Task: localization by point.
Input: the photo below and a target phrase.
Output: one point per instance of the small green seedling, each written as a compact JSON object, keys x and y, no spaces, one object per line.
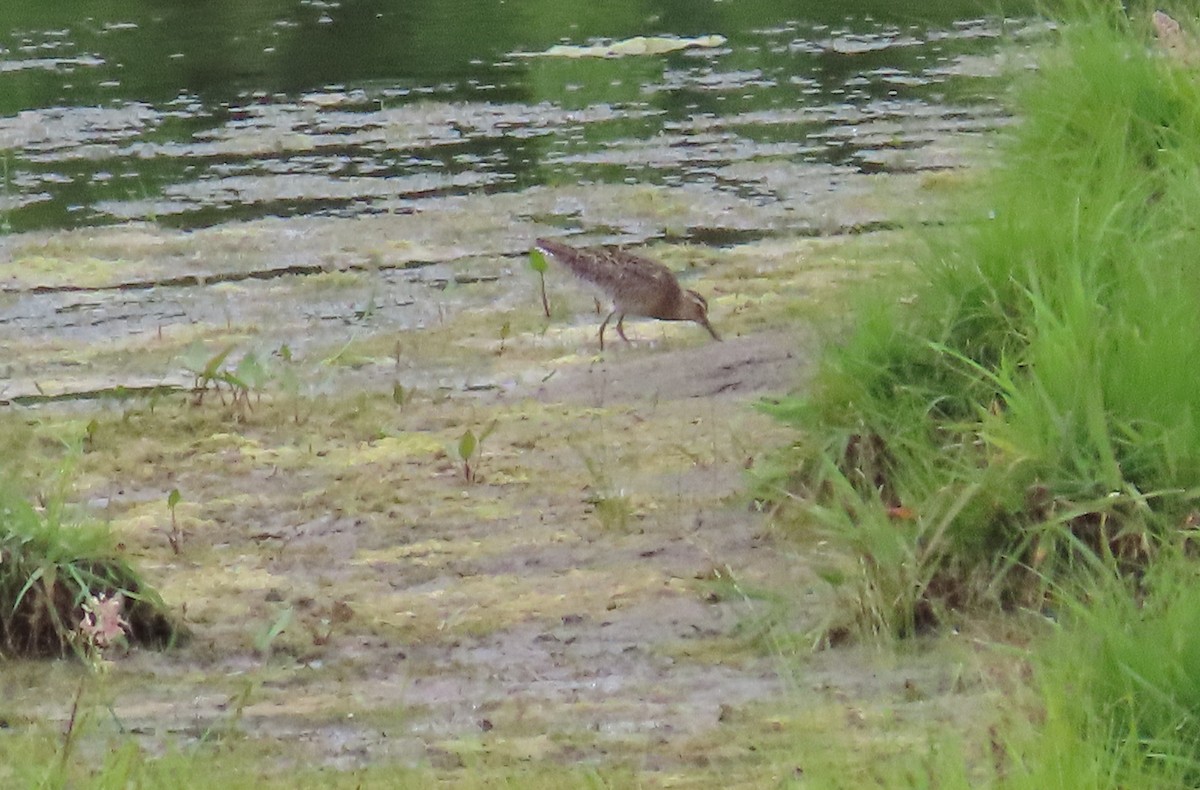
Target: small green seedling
{"x":288,"y":380}
{"x":205,"y":368}
{"x":466,"y":451}
{"x":470,"y":448}
{"x":231,"y":724}
{"x":210,"y":373}
{"x":505,"y":332}
{"x":367,"y":311}
{"x":253,"y":375}
{"x":175,"y":536}
{"x":89,"y":436}
{"x":339,"y":613}
{"x":402,"y":395}
{"x":266,"y":638}
{"x":611,"y":505}
{"x":613,"y":510}
{"x":537,"y":262}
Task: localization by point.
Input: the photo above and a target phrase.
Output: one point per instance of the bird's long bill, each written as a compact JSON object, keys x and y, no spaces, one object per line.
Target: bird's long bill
{"x":711,"y":331}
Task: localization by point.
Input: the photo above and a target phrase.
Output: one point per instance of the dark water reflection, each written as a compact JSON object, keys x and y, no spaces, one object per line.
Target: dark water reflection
{"x":193,"y":113}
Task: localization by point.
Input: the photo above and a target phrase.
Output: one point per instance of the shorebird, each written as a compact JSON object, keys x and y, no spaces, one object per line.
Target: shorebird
{"x":638,"y":286}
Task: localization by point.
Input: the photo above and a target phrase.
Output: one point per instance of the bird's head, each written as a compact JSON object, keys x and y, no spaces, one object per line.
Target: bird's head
{"x":695,"y":308}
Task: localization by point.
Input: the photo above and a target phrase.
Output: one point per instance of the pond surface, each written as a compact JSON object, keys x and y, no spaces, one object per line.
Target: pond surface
{"x":192,"y":114}
{"x":310,"y":174}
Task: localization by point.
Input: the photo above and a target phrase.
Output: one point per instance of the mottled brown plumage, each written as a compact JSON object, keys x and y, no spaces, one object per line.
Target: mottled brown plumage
{"x":638,"y":286}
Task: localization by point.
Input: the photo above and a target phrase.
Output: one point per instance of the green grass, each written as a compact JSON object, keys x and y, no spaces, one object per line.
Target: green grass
{"x":1118,"y":687}
{"x":1026,"y":431}
{"x":1035,"y":405}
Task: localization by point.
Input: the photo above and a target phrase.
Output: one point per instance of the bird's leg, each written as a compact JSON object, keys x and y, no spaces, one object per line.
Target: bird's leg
{"x":621,"y":328}
{"x":606,"y":320}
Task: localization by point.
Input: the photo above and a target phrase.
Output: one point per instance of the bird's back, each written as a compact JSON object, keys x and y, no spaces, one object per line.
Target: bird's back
{"x":637,"y":285}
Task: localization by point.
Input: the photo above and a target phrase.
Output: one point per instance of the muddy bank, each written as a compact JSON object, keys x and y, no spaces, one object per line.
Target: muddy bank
{"x":597,"y":589}
{"x":601,"y":591}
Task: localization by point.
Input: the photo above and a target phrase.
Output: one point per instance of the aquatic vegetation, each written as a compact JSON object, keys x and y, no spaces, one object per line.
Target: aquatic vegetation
{"x":265,"y":638}
{"x":175,"y":534}
{"x":210,"y":373}
{"x":251,"y":374}
{"x":537,"y":262}
{"x":401,"y":395}
{"x":206,"y":368}
{"x":470,"y":449}
{"x":505,"y":334}
{"x":611,"y":504}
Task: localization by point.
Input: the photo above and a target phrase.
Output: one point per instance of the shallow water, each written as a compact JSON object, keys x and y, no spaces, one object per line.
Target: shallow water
{"x":190,"y":115}
{"x":309,"y":174}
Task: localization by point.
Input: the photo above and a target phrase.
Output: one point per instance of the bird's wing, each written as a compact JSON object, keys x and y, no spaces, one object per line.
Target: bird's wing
{"x":627,"y":278}
{"x":617,"y":271}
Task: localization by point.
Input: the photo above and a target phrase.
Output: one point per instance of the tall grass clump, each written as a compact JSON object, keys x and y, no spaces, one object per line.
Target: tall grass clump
{"x":1036,"y":408}
{"x":59,"y":576}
